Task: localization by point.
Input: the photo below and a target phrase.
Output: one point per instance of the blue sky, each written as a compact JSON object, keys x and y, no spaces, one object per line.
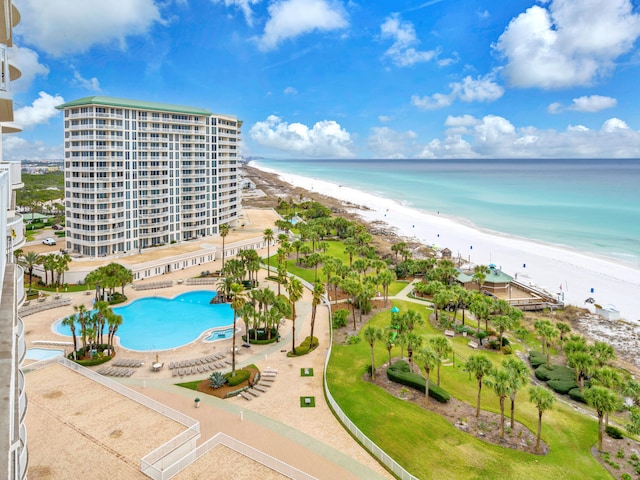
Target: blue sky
{"x":346,"y":79}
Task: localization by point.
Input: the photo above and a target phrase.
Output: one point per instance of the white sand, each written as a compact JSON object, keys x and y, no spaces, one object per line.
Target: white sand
{"x":558,"y":270}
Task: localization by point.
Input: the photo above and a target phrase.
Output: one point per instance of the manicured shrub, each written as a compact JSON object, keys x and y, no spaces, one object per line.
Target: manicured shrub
{"x":241,"y":376}
{"x":562,"y":386}
{"x":340,"y":318}
{"x":614,"y":432}
{"x":536,"y":358}
{"x":507,"y":350}
{"x":305,"y":347}
{"x":543,"y":373}
{"x":576,"y":394}
{"x":399,"y":372}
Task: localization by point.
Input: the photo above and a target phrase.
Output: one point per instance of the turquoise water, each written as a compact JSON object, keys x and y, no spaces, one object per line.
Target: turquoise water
{"x":155,"y":323}
{"x":43,"y":353}
{"x":591,"y":205}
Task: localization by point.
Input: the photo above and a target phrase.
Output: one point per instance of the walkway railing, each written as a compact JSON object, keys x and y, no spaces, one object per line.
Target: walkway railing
{"x":374,"y":449}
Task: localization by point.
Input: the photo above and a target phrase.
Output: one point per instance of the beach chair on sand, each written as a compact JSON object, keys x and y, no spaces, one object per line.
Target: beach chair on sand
{"x":246,"y":396}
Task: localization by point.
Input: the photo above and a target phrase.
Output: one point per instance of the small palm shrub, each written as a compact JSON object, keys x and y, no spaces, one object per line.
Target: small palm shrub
{"x":217,"y":380}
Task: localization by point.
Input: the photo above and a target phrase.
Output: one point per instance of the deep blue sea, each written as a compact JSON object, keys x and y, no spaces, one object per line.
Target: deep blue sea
{"x":591,"y":205}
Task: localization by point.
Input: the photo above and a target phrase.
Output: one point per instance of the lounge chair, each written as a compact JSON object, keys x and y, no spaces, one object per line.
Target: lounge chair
{"x":260,"y":388}
{"x":171,"y":365}
{"x":246,"y":396}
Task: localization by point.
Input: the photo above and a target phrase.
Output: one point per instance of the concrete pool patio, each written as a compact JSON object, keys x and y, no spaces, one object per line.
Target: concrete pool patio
{"x":310,"y":439}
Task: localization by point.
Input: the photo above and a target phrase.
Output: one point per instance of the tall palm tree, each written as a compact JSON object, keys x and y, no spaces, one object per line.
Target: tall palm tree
{"x":114,"y":321}
{"x":295,"y":290}
{"x":372,"y":335}
{"x":480,"y":273}
{"x":441,"y":345}
{"x":604,"y":401}
{"x":428,"y":358}
{"x":519,"y":375}
{"x":386,"y":277}
{"x":479,"y":366}
{"x":268,"y":237}
{"x":318,"y":292}
{"x":500,"y":382}
{"x":29,"y":261}
{"x":502,"y":323}
{"x":70,"y":322}
{"x":237,"y":302}
{"x":224,"y":231}
{"x":82,"y":315}
{"x":543,"y":400}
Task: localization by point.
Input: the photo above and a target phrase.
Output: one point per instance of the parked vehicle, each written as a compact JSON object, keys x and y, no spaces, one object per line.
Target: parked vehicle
{"x":49,"y":241}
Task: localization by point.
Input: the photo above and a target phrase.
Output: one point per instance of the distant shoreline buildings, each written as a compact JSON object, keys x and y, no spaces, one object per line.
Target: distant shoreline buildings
{"x":144,"y":174}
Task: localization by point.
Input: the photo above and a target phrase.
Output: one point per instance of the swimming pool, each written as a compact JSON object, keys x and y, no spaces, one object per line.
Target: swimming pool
{"x":43,"y":353}
{"x":156,"y":323}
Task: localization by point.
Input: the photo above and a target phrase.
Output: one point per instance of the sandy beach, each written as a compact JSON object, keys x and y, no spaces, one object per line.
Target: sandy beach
{"x":570,"y":274}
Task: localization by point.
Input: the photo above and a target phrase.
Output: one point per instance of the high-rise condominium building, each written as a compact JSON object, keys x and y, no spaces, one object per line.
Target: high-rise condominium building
{"x":142,"y":174}
{"x":13,"y":400}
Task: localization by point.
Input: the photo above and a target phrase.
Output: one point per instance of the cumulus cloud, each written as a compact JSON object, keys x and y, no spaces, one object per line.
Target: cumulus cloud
{"x":40,"y":111}
{"x":402,"y":53}
{"x":291,"y":18}
{"x":325,"y":139}
{"x":590,"y":104}
{"x":480,"y":89}
{"x":243,"y":5}
{"x":30,"y":67}
{"x":60,"y":27}
{"x":496,"y":137}
{"x":290,"y":91}
{"x":17,"y":148}
{"x":387,"y":143}
{"x":567,"y":43}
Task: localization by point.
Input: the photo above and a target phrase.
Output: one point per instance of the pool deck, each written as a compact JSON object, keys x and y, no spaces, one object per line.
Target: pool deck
{"x":310,"y":439}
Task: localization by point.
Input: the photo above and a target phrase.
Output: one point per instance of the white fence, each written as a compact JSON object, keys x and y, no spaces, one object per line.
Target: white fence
{"x":374,"y":449}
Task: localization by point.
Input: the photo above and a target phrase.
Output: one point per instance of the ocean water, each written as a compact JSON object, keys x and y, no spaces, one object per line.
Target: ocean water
{"x":590,"y":205}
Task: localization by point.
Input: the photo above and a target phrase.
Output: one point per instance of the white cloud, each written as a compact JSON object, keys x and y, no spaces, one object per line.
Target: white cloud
{"x":17,"y":148}
{"x":593,"y":103}
{"x":290,"y":91}
{"x":495,"y":137}
{"x":481,"y":89}
{"x":243,"y":5}
{"x":60,"y":27}
{"x":325,"y":139}
{"x":291,"y":18}
{"x":30,"y":67}
{"x":384,"y":118}
{"x":568,"y":43}
{"x":40,"y":111}
{"x":404,"y":37}
{"x":387,"y":143}
{"x":89,"y":84}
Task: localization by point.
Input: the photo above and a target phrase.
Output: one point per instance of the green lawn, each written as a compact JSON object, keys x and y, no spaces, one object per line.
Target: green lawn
{"x":428,"y":446}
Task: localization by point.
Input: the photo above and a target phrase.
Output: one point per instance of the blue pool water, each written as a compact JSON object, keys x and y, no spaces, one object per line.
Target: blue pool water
{"x":43,"y":353}
{"x":156,"y":323}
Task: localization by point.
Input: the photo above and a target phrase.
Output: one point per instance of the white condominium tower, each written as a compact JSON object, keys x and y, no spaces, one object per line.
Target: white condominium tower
{"x":14,"y":458}
{"x":143,"y":174}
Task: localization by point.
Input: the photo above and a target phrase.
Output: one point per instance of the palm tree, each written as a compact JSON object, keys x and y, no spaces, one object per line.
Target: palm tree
{"x":500,"y":382}
{"x":480,"y":273}
{"x":502,"y":323}
{"x":114,"y":321}
{"x":81,"y":312}
{"x":224,"y":231}
{"x":371,"y":335}
{"x":602,"y":352}
{"x":386,"y":277}
{"x":443,"y":349}
{"x":29,"y":261}
{"x":548,"y":332}
{"x":413,"y":343}
{"x":563,"y":328}
{"x":583,"y":364}
{"x":70,"y":322}
{"x":607,"y":377}
{"x":295,"y":290}
{"x":237,"y":302}
{"x":543,"y":400}
{"x":519,"y":375}
{"x":604,"y":401}
{"x":479,"y":366}
{"x":428,"y":358}
{"x":268,"y":237}
{"x":389,"y":342}
{"x":318,"y":292}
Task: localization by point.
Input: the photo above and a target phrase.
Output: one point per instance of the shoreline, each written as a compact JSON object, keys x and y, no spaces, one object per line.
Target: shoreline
{"x":561,"y":271}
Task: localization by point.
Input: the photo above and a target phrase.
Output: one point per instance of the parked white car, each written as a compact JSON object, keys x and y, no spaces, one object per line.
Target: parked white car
{"x":49,"y":241}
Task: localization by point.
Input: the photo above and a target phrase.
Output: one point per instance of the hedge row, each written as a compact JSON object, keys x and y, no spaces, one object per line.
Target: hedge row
{"x":559,"y":378}
{"x":399,"y":372}
{"x":304,"y":347}
{"x":537,"y":358}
